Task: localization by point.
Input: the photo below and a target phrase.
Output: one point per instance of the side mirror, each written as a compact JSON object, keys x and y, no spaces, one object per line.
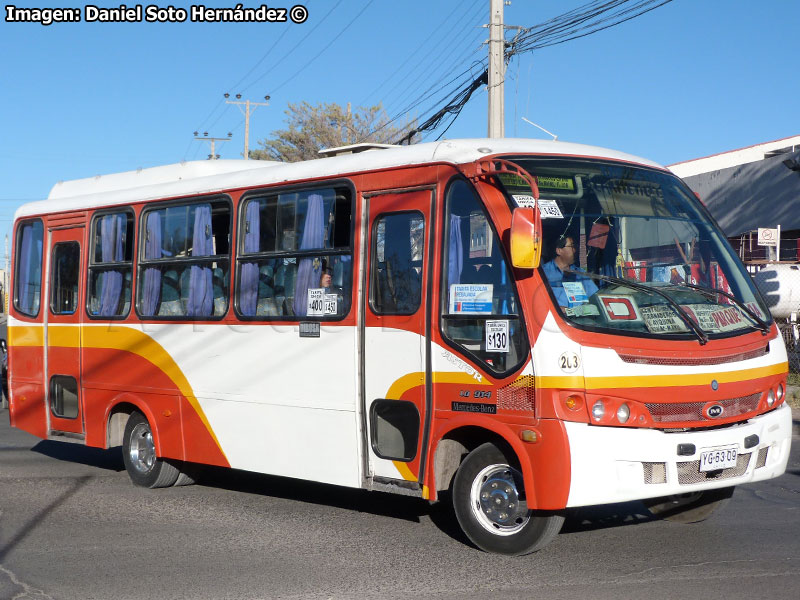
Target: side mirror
{"x":526,"y":238}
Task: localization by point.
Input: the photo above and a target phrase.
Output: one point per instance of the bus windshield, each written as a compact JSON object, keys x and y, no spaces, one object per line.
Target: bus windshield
{"x":629,"y":248}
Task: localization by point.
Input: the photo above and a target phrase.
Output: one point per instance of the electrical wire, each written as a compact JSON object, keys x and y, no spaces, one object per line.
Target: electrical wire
{"x":580,"y":22}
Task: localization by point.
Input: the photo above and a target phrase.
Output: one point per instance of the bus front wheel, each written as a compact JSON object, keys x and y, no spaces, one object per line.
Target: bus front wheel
{"x":689,"y":508}
{"x":139,"y":454}
{"x":489,"y":502}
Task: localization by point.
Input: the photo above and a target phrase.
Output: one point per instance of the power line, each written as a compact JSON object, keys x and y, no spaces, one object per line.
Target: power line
{"x":580,"y":22}
{"x":414,"y":53}
{"x":341,"y":32}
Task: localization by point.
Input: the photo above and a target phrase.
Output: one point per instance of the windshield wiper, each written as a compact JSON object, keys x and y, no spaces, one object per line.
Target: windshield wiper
{"x":762,"y":325}
{"x":702,"y":337}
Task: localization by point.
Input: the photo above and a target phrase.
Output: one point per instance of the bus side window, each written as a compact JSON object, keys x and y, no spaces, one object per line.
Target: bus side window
{"x":28,"y":258}
{"x":110,"y":265}
{"x":286,"y":242}
{"x":398,"y":248}
{"x":480,"y":309}
{"x":184,"y":265}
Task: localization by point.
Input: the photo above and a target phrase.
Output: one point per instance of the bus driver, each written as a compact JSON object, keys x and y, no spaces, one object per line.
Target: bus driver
{"x":564,"y":260}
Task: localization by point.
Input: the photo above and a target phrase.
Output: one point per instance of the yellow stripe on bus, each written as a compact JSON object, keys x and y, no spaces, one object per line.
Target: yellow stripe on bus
{"x":26,"y":335}
{"x":653,"y":381}
{"x":114,"y":337}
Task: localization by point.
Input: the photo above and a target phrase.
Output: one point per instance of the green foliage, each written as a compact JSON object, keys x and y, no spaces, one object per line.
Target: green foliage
{"x":314,"y":128}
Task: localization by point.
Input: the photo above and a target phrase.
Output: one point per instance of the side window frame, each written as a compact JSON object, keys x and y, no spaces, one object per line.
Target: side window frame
{"x":524,"y":349}
{"x":373,"y":282}
{"x":18,"y":239}
{"x":93,"y":266}
{"x":55,"y":287}
{"x":142,"y":263}
{"x":243,"y":257}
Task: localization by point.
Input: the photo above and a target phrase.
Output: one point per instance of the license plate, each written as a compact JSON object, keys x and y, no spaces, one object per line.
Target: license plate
{"x":718,"y":458}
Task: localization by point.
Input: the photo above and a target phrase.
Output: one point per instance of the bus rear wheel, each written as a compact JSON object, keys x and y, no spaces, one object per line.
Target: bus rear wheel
{"x":689,"y":508}
{"x":139,"y":454}
{"x":489,"y":502}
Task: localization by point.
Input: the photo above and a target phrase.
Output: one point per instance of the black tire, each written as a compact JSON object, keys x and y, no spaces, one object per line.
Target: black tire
{"x":189,"y":473}
{"x":139,"y":454}
{"x":689,"y":508}
{"x":489,"y":503}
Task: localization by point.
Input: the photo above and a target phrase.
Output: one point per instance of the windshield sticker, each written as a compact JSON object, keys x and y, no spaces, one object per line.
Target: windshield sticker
{"x":497,"y":337}
{"x":474,"y":298}
{"x":315,"y":305}
{"x":331,"y":301}
{"x":714,"y":318}
{"x":575,"y":292}
{"x":549,"y":209}
{"x":582,"y":310}
{"x":524,"y":200}
{"x":662,"y":319}
{"x":620,"y":308}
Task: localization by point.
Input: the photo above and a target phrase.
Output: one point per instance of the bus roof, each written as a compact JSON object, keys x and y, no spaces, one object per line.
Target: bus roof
{"x":206,"y":177}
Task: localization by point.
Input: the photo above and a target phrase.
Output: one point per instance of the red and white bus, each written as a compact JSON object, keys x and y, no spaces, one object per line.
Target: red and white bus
{"x":519,"y":326}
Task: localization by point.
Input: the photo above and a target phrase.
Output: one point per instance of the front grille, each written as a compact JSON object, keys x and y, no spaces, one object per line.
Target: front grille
{"x":761,"y":460}
{"x":638,"y":359}
{"x":518,"y":395}
{"x":689,"y":472}
{"x":675,"y":412}
{"x":655,"y":472}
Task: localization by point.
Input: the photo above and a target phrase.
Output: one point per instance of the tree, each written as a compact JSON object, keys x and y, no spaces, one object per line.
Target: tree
{"x":314,"y":128}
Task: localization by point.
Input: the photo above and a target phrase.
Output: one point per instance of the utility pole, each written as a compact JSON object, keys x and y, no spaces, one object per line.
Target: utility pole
{"x":246,"y":112}
{"x":496,"y":69}
{"x":213,"y":140}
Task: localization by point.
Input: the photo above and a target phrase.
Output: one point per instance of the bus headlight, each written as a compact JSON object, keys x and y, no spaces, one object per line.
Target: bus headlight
{"x":780,"y":392}
{"x":598,"y":410}
{"x":770,"y":398}
{"x":623,"y":413}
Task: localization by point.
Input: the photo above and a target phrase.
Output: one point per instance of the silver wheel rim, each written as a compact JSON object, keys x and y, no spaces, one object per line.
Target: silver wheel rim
{"x":142,"y":451}
{"x":495,"y":502}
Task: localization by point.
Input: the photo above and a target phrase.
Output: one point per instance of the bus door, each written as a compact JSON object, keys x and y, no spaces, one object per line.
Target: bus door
{"x":63,"y":333}
{"x":396,"y":350}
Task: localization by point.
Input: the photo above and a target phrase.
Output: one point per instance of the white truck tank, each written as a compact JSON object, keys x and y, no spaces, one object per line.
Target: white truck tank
{"x":780,"y":286}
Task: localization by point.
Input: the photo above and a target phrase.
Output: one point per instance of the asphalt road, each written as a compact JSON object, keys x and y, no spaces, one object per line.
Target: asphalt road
{"x":72,"y":526}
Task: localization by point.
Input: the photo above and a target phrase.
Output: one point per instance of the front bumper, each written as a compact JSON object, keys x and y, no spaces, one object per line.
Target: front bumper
{"x":617,"y":464}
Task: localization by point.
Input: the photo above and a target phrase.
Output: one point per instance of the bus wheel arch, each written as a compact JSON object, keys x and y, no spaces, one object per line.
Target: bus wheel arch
{"x":121,"y":409}
{"x":456,"y":443}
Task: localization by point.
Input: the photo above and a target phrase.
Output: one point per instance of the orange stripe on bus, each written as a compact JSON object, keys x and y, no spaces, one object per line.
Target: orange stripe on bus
{"x":115,"y":337}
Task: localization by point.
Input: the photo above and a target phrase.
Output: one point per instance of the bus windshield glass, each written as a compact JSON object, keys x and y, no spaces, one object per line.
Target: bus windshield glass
{"x":631,"y":249}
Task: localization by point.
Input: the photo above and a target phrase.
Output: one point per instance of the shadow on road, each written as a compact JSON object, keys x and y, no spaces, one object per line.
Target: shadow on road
{"x":606,"y":516}
{"x":94,"y":457}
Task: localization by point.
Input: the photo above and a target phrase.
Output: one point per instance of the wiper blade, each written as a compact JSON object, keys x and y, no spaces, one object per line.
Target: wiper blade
{"x":762,"y":325}
{"x":702,"y":337}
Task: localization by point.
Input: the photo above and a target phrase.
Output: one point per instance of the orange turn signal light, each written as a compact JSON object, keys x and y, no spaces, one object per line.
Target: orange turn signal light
{"x":574,"y":402}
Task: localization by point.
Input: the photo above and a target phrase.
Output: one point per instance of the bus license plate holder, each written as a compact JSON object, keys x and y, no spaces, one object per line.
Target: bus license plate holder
{"x":715,"y":459}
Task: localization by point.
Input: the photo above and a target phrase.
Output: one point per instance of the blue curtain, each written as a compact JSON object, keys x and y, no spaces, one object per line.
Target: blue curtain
{"x":308,"y":274}
{"x":152,"y":275}
{"x":201,"y":290}
{"x":455,"y":252}
{"x":248,"y":295}
{"x":112,"y":228}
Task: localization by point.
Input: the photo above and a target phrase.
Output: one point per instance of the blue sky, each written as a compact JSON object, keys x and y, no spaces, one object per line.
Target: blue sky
{"x":692,"y":78}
